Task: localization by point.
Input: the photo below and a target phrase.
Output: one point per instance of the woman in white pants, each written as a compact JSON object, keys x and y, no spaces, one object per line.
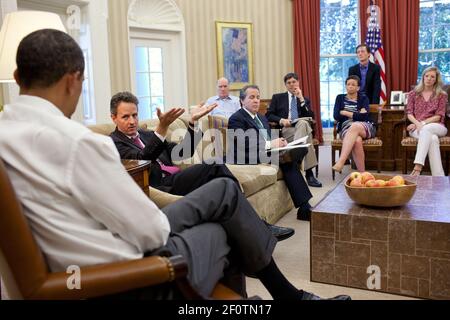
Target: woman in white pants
{"x":426,"y":111}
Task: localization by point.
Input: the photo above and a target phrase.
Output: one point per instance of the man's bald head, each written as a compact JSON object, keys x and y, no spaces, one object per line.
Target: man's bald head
{"x":223,"y":88}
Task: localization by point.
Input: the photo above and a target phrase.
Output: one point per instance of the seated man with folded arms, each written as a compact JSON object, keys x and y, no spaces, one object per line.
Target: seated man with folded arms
{"x":290,"y":106}
{"x":83,"y":207}
{"x":134,"y":143}
{"x":246,"y":124}
{"x":227,"y":104}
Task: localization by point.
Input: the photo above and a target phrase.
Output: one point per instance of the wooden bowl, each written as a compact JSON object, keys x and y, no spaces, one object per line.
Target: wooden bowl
{"x":381,"y":196}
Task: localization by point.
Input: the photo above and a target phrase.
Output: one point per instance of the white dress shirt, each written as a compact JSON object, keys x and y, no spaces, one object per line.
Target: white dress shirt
{"x":226,"y":106}
{"x":82,"y":205}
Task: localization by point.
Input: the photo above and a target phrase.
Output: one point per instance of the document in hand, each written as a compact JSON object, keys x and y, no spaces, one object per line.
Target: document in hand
{"x":289,"y":147}
{"x":298,"y":141}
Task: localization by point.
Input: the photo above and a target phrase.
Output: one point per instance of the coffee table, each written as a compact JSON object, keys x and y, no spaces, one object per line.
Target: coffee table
{"x":410,"y":245}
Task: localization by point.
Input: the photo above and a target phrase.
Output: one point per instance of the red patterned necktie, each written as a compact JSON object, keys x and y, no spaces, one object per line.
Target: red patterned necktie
{"x":138,"y":142}
{"x":169,"y":169}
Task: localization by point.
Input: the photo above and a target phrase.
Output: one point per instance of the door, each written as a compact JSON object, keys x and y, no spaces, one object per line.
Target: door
{"x":151,"y":70}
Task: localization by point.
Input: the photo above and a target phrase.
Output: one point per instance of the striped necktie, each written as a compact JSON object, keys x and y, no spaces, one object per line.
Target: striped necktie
{"x":261,"y":128}
{"x":294,"y":110}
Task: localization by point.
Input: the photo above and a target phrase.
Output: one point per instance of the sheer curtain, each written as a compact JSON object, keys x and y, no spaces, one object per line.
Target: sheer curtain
{"x":307,"y":53}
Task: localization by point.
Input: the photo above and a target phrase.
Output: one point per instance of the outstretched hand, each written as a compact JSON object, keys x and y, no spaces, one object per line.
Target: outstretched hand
{"x":167,"y":118}
{"x":201,"y":111}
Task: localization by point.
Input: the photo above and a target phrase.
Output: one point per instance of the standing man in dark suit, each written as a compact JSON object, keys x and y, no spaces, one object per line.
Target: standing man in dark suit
{"x":369,"y":73}
{"x":134,"y":143}
{"x":250,"y":139}
{"x":287,"y":110}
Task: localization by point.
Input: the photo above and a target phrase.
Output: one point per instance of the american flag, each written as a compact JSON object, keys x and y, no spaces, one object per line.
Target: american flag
{"x":375,"y":43}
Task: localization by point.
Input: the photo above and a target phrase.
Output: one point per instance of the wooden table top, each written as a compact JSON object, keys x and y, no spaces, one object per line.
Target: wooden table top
{"x":136,"y":165}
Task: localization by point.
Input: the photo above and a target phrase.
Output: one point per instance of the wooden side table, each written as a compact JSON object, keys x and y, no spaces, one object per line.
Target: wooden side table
{"x":139,"y":170}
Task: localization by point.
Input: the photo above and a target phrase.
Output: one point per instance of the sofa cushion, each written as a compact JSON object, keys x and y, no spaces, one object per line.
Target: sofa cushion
{"x":254,"y":178}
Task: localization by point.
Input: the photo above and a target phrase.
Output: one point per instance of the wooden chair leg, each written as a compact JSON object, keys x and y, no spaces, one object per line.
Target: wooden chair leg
{"x":379,"y":160}
{"x":405,"y":160}
{"x":316,"y":147}
{"x":333,"y":161}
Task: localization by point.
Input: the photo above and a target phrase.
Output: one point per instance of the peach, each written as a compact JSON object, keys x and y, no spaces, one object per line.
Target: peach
{"x":356,"y":183}
{"x":380,"y":183}
{"x":366,"y":176}
{"x":399,"y":179}
{"x":370,"y":184}
{"x":392,"y":183}
{"x":355,"y":175}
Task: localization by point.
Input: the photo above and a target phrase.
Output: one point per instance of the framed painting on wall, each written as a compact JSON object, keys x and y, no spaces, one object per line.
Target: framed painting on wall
{"x":235,"y":53}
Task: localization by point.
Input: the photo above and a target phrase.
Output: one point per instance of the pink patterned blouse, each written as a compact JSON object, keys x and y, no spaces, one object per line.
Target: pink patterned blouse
{"x":421,"y":109}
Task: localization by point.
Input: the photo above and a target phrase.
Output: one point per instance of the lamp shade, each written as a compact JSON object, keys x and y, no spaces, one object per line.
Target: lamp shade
{"x":16,"y":26}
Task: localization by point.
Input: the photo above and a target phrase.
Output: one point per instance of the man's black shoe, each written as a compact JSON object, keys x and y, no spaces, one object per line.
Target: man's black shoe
{"x":304,"y":213}
{"x":281,"y":233}
{"x":313,"y":182}
{"x":311,"y":296}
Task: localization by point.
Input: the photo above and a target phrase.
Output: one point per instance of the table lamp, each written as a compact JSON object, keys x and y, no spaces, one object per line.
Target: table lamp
{"x":16,"y":26}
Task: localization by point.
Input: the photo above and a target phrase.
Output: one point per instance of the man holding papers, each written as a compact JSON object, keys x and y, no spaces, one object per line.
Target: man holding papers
{"x":251,"y":140}
{"x":292,"y":112}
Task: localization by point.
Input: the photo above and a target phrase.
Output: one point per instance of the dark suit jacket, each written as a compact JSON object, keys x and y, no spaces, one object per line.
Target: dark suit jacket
{"x":279,"y":108}
{"x":248,"y":145}
{"x":155,"y":149}
{"x":252,"y":149}
{"x":373,"y":81}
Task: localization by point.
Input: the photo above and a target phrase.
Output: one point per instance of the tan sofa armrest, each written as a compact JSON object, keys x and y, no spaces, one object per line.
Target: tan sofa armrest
{"x":161,"y":198}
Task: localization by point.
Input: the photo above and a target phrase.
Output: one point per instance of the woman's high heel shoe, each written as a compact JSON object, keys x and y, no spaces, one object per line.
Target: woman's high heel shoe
{"x":335,"y":168}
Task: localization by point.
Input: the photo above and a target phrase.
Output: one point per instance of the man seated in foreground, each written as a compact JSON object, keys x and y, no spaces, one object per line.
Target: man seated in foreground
{"x":247,"y":123}
{"x":83,"y":207}
{"x":134,"y":143}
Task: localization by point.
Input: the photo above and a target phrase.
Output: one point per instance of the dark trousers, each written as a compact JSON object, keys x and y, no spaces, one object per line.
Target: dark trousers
{"x":218,"y":233}
{"x":295,"y":182}
{"x":193,"y":178}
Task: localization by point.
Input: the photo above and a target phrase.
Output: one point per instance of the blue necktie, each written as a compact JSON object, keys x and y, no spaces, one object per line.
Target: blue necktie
{"x":294,"y":110}
{"x":261,"y":128}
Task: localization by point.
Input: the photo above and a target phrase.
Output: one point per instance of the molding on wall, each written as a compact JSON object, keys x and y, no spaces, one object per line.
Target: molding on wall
{"x":155,"y":15}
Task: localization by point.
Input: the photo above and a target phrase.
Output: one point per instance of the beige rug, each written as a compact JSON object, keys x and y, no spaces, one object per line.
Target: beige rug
{"x":292,"y":255}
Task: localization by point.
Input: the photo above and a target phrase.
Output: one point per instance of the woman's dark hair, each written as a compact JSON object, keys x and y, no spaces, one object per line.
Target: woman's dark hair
{"x":356,"y":78}
{"x":45,"y":56}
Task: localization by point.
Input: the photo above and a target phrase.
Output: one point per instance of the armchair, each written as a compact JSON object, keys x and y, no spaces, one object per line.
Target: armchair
{"x":409,"y":145}
{"x":368,"y":145}
{"x":25,"y":274}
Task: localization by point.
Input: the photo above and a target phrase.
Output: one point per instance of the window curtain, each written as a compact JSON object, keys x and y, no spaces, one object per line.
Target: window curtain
{"x":307,"y":54}
{"x":400,"y":32}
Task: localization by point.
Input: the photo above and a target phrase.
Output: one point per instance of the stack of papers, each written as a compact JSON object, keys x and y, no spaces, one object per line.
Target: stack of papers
{"x":299,"y":143}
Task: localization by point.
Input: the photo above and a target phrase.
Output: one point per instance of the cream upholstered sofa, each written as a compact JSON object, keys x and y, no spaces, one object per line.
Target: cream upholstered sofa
{"x":262,"y":184}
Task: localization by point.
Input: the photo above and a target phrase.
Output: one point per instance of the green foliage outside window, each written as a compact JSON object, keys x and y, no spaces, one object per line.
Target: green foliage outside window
{"x":434,"y":36}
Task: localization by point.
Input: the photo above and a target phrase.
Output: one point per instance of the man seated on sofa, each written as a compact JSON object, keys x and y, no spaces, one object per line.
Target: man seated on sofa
{"x":243,"y":149}
{"x":135,"y":143}
{"x":227,"y":104}
{"x":293,"y":106}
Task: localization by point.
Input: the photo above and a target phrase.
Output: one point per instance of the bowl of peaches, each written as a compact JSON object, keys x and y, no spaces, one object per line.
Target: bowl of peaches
{"x":379,"y":190}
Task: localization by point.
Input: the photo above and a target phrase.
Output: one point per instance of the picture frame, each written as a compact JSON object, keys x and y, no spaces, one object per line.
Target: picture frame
{"x":396,"y":97}
{"x":235,"y":53}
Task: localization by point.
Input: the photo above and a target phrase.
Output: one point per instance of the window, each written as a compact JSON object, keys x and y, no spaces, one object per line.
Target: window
{"x":149,"y":80}
{"x":434,"y":36}
{"x":339,"y":37}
